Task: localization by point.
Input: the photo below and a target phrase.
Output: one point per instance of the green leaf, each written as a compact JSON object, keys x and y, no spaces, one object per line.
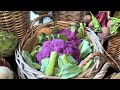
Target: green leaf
{"x":73,"y":27}
{"x":42,"y":39}
{"x":34,"y":52}
{"x":70,"y":71}
{"x":85,"y":48}
{"x":81,"y":33}
{"x":71,"y":59}
{"x":29,"y":61}
{"x":60,"y":62}
{"x":44,"y":64}
{"x":115,"y":25}
{"x":63,"y":37}
{"x":96,"y":25}
{"x":56,"y":71}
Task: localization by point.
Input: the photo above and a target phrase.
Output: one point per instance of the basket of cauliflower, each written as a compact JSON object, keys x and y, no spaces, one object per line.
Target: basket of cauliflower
{"x":60,"y":50}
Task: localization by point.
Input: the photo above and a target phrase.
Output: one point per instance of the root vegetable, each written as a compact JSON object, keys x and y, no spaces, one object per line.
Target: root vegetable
{"x":105,"y":31}
{"x":87,"y":19}
{"x":90,"y":25}
{"x":109,"y":24}
{"x":5,"y":73}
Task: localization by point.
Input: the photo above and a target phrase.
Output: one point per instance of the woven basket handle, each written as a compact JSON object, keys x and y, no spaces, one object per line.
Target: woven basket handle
{"x":41,"y":18}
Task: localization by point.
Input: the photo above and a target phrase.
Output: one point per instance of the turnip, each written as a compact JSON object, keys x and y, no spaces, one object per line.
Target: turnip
{"x":105,"y":31}
{"x":5,"y":73}
{"x":109,"y":24}
{"x":90,"y":25}
{"x":87,"y":19}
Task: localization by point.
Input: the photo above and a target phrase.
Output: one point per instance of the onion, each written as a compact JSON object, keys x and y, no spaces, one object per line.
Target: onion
{"x":87,"y":19}
{"x":109,"y":23}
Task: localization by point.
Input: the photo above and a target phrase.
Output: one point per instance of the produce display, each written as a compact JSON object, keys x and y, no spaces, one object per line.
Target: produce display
{"x":60,"y":53}
{"x":102,"y":24}
{"x":61,"y":50}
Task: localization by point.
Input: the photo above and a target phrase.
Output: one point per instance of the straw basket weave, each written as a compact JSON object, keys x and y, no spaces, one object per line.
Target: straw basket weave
{"x":113,"y":51}
{"x":97,"y":70}
{"x":15,"y":21}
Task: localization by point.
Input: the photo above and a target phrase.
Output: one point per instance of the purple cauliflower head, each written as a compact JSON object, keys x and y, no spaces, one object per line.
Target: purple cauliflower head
{"x":61,"y":46}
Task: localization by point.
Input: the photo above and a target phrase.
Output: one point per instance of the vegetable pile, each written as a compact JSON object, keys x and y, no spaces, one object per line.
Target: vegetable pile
{"x":59,"y":54}
{"x":103,"y":24}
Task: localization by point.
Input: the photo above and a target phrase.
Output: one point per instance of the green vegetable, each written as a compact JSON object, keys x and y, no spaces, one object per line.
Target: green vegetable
{"x":42,"y":38}
{"x":85,"y":48}
{"x":44,"y":64}
{"x":70,"y":70}
{"x":115,"y":25}
{"x":96,"y":25}
{"x":84,"y":68}
{"x":60,"y":62}
{"x":81,"y":32}
{"x":34,"y":52}
{"x":73,"y":27}
{"x":64,"y":60}
{"x":56,"y":71}
{"x":28,"y":60}
{"x":71,"y":59}
{"x":8,"y":43}
{"x":50,"y":67}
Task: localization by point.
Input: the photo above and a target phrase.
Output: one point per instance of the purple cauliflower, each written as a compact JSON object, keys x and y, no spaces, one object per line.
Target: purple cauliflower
{"x":61,"y":46}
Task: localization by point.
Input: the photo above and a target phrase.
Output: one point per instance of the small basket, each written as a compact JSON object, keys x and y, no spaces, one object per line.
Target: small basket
{"x":15,"y":21}
{"x":96,"y":71}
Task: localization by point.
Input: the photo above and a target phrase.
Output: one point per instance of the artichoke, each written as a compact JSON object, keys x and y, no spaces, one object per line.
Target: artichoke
{"x":8,"y":43}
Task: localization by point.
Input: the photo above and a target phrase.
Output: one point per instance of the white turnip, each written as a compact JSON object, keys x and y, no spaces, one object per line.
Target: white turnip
{"x":109,"y":24}
{"x":5,"y":73}
{"x":87,"y":19}
{"x":90,"y":25}
{"x":105,"y":31}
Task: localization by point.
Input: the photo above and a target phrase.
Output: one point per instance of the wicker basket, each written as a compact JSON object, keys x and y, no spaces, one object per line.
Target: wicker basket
{"x":15,"y":21}
{"x":113,"y":51}
{"x":96,"y":71}
{"x":74,"y":16}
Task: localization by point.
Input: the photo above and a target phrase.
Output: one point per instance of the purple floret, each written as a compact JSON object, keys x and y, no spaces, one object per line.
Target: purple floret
{"x":61,"y":46}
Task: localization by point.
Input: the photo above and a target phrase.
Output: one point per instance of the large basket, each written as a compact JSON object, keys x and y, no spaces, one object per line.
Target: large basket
{"x":96,"y":71}
{"x":65,"y":15}
{"x":75,"y":16}
{"x":113,"y":51}
{"x":15,"y":21}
